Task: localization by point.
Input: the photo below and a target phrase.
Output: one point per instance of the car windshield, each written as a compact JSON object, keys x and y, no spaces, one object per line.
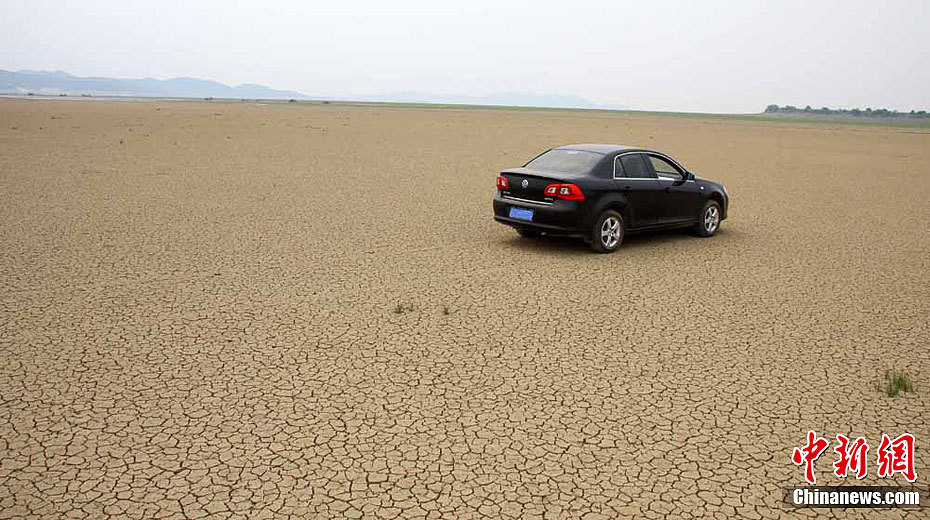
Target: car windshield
{"x":565,"y":161}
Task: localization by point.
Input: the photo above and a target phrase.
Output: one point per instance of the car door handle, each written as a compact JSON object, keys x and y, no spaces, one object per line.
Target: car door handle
{"x":626,"y":188}
{"x":668,"y":188}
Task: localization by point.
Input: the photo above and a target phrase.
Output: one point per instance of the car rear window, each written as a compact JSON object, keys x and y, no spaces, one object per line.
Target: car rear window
{"x":565,"y":161}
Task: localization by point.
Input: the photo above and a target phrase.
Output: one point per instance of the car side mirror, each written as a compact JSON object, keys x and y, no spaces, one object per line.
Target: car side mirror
{"x":689,"y":176}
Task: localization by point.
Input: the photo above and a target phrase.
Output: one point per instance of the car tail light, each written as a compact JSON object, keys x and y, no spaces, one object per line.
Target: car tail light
{"x":564,"y":191}
{"x":502,"y":183}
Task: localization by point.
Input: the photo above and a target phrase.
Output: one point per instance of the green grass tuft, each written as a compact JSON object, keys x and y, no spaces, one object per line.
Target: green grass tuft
{"x":402,"y":307}
{"x":897,"y":383}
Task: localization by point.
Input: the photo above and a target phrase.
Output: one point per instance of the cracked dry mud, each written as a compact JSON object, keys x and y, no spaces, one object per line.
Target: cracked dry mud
{"x":197,"y":316}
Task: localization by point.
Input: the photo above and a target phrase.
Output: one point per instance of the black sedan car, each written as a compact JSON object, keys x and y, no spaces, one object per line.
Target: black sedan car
{"x":601,"y":192}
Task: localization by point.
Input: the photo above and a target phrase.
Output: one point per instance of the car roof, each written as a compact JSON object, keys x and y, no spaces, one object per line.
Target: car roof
{"x":601,"y":148}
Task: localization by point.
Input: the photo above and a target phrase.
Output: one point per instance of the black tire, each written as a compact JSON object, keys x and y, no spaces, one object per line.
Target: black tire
{"x":709,"y":219}
{"x":606,"y":238}
{"x":528,"y":233}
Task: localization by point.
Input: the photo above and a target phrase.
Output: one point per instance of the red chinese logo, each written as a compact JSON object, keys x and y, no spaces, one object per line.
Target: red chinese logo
{"x":852,"y":457}
{"x":894,"y":456}
{"x":808,"y":454}
{"x":897,"y":456}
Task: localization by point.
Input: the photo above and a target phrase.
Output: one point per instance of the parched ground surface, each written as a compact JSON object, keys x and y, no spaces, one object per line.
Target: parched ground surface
{"x":197,"y":316}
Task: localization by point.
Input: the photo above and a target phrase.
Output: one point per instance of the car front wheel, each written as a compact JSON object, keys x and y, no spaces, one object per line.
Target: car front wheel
{"x":607,"y":233}
{"x":709,"y":219}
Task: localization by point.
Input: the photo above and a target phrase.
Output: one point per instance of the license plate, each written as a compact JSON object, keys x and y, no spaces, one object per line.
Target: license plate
{"x":521,"y":213}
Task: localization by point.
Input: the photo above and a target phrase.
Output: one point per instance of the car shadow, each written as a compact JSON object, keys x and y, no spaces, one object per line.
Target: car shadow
{"x":577,"y":246}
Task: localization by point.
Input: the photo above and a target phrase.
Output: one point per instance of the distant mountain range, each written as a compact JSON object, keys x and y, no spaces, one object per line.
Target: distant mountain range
{"x":518,"y":99}
{"x":57,"y":82}
{"x":48,"y":82}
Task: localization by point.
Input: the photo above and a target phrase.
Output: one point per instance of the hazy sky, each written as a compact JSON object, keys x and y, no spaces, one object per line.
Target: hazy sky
{"x":696,"y":56}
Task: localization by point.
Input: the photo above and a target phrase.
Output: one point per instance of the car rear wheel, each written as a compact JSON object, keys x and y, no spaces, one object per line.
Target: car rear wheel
{"x":709,"y":219}
{"x":607,"y":234}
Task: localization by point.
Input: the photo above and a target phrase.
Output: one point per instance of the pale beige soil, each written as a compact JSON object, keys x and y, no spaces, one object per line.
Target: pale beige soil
{"x":196,"y":316}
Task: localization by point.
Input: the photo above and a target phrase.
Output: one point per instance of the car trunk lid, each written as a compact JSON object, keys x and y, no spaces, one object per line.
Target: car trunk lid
{"x":528,"y":184}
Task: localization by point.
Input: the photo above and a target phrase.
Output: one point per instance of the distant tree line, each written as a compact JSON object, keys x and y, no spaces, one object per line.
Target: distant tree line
{"x":868,"y":112}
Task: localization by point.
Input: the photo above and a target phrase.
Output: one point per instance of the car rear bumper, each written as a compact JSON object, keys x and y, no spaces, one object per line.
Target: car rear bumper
{"x":561,"y":217}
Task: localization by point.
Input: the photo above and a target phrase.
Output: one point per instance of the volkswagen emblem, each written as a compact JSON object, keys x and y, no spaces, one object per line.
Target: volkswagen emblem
{"x":525,"y":183}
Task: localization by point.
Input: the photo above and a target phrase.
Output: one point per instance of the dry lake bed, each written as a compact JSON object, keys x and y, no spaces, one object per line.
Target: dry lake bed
{"x":246,"y":310}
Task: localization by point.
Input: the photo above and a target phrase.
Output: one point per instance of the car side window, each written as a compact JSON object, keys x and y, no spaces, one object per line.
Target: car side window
{"x":665,"y":169}
{"x":634,"y":166}
{"x":618,"y":167}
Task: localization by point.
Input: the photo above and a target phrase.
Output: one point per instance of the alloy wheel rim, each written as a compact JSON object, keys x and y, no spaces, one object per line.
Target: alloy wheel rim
{"x":711,"y":219}
{"x":610,"y":232}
